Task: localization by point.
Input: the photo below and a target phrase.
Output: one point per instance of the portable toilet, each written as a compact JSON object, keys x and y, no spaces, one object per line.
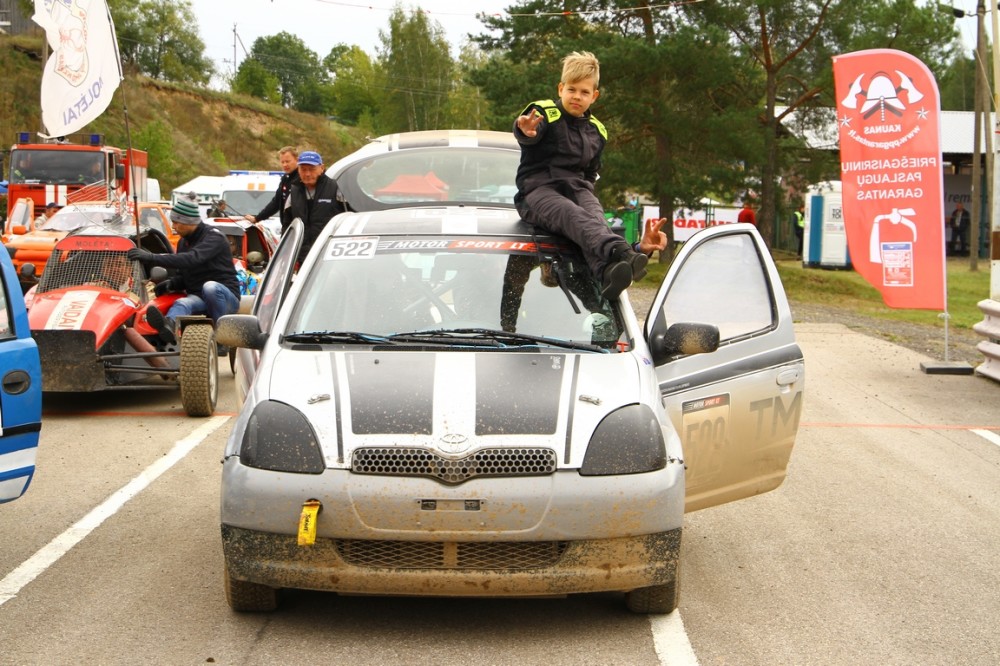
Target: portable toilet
{"x":824,"y":239}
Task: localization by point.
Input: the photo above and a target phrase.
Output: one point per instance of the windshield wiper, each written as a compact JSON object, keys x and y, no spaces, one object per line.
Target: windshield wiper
{"x":332,"y":337}
{"x":492,"y":337}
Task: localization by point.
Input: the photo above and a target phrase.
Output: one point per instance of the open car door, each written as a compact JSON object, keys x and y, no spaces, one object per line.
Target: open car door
{"x":270,"y":295}
{"x":736,"y":409}
{"x":20,"y":388}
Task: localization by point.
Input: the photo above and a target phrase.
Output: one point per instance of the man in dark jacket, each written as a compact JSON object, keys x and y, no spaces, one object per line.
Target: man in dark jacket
{"x":204,"y":270}
{"x":287,"y":158}
{"x":313,"y":199}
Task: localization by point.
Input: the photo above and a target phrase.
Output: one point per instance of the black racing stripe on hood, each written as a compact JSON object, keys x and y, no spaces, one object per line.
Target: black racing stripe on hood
{"x":518,"y":394}
{"x":391,"y":393}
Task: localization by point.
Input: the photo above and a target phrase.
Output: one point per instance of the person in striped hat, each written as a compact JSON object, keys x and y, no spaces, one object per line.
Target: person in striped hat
{"x":203,"y":270}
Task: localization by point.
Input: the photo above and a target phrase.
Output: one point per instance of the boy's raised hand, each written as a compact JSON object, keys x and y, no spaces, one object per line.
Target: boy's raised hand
{"x":653,"y":236}
{"x":528,"y":123}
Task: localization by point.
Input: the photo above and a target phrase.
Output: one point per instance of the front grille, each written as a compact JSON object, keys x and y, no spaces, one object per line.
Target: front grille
{"x":450,"y":555}
{"x":393,"y":461}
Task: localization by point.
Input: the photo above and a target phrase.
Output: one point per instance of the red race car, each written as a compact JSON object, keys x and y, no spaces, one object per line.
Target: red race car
{"x":87,"y":315}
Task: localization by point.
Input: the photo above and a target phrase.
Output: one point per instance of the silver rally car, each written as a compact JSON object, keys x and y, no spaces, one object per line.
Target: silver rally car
{"x":440,"y":403}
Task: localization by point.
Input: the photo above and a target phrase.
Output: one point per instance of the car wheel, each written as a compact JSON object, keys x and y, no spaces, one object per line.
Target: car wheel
{"x":199,"y":373}
{"x":245,"y":596}
{"x":655,"y":598}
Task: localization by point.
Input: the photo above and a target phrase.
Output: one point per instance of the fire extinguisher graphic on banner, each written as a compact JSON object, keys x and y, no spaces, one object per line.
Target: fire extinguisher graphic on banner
{"x":892,"y":247}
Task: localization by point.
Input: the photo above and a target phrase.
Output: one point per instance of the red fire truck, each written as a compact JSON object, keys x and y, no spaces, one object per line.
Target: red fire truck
{"x":58,"y":170}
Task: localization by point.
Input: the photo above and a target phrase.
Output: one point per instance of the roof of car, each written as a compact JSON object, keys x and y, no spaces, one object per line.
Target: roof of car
{"x":407,"y":140}
{"x":436,"y":220}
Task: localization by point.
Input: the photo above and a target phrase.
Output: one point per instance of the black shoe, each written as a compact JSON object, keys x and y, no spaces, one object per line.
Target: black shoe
{"x":165,"y":327}
{"x":617,"y":278}
{"x":638,"y":262}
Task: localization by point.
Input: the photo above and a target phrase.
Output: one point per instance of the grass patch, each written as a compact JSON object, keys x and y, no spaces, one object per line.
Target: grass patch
{"x":848,"y":290}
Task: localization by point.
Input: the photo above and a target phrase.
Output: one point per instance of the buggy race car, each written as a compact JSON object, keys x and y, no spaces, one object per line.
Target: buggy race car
{"x":88,"y":316}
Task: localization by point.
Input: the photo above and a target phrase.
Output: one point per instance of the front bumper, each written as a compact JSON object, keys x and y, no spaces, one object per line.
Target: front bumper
{"x":70,"y":361}
{"x":563,"y":506}
{"x":454,"y":569}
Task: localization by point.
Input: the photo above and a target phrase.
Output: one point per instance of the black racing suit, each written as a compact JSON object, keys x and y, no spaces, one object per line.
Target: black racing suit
{"x":315,"y":210}
{"x":277,"y":203}
{"x":555,"y":181}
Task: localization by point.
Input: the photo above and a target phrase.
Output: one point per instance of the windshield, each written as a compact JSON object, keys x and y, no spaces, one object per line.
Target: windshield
{"x":383,"y":287}
{"x":69,"y":219}
{"x":107,"y":269}
{"x":431,"y":175}
{"x":246,"y":202}
{"x":62,"y":167}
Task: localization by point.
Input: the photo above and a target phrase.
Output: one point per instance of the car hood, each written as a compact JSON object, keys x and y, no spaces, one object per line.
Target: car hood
{"x":453,"y":402}
{"x":82,"y":308}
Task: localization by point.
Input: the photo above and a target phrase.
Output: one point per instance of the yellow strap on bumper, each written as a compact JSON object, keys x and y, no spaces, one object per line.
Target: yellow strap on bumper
{"x":307,"y":522}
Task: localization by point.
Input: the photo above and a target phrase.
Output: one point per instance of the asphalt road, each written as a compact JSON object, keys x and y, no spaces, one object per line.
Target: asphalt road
{"x":882,"y":547}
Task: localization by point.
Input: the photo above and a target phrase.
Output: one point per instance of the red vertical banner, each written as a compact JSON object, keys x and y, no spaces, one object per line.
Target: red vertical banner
{"x":888,"y":113}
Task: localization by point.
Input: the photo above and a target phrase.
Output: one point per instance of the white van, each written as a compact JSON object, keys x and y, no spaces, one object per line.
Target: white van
{"x":247,"y":192}
{"x":206,"y":189}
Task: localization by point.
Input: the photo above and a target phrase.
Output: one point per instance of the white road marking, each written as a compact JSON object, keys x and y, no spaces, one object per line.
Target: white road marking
{"x":59,"y":546}
{"x":989,"y":436}
{"x":671,"y":641}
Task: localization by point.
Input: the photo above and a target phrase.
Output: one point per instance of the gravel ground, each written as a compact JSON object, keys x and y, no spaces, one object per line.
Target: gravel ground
{"x":925,"y":339}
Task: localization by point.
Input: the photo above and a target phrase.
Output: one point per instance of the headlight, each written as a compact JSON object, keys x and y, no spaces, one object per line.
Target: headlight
{"x":280,"y":438}
{"x":627,"y":441}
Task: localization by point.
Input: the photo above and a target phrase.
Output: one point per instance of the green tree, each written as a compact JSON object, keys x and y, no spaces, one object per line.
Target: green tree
{"x":255,"y":80}
{"x":354,"y":83}
{"x":416,"y":74}
{"x":155,"y":138}
{"x":292,"y":63}
{"x":792,"y":43}
{"x":467,"y":106}
{"x":160,"y":38}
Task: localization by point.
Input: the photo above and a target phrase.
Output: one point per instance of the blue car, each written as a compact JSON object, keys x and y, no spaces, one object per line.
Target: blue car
{"x":20,"y":388}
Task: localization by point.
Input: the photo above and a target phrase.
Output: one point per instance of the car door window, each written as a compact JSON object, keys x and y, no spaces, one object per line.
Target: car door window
{"x":6,"y":325}
{"x":723,"y":283}
{"x":278,"y":277}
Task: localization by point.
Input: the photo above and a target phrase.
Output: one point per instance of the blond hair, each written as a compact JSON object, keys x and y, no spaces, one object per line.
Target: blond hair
{"x":581,"y":66}
{"x":290,"y":150}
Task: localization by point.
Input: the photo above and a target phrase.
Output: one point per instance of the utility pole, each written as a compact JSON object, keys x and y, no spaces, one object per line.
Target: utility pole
{"x":995,"y":227}
{"x":235,"y":64}
{"x":977,"y":176}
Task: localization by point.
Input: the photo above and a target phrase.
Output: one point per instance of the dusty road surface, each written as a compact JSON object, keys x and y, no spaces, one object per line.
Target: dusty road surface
{"x":882,"y":547}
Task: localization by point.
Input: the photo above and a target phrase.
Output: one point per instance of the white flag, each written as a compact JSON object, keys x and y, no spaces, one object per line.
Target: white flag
{"x":83,"y":71}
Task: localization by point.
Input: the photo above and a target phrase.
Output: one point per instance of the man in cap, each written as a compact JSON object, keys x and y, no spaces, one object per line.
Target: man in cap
{"x":51,"y":209}
{"x":203,"y":270}
{"x":313,"y":199}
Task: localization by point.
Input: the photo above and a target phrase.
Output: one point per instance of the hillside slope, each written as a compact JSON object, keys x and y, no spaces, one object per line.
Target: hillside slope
{"x":187,"y":131}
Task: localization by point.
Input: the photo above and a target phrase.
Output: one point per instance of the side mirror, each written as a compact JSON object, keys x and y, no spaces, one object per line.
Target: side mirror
{"x":158,"y":274}
{"x":119,"y":172}
{"x":683,"y":339}
{"x":240,"y":330}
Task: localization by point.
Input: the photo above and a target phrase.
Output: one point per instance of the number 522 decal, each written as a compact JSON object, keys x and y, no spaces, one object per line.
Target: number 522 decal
{"x":352,"y":248}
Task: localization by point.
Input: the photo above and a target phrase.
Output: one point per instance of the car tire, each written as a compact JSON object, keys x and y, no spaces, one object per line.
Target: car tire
{"x":244,"y":596}
{"x":655,"y":599}
{"x":199,"y":370}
